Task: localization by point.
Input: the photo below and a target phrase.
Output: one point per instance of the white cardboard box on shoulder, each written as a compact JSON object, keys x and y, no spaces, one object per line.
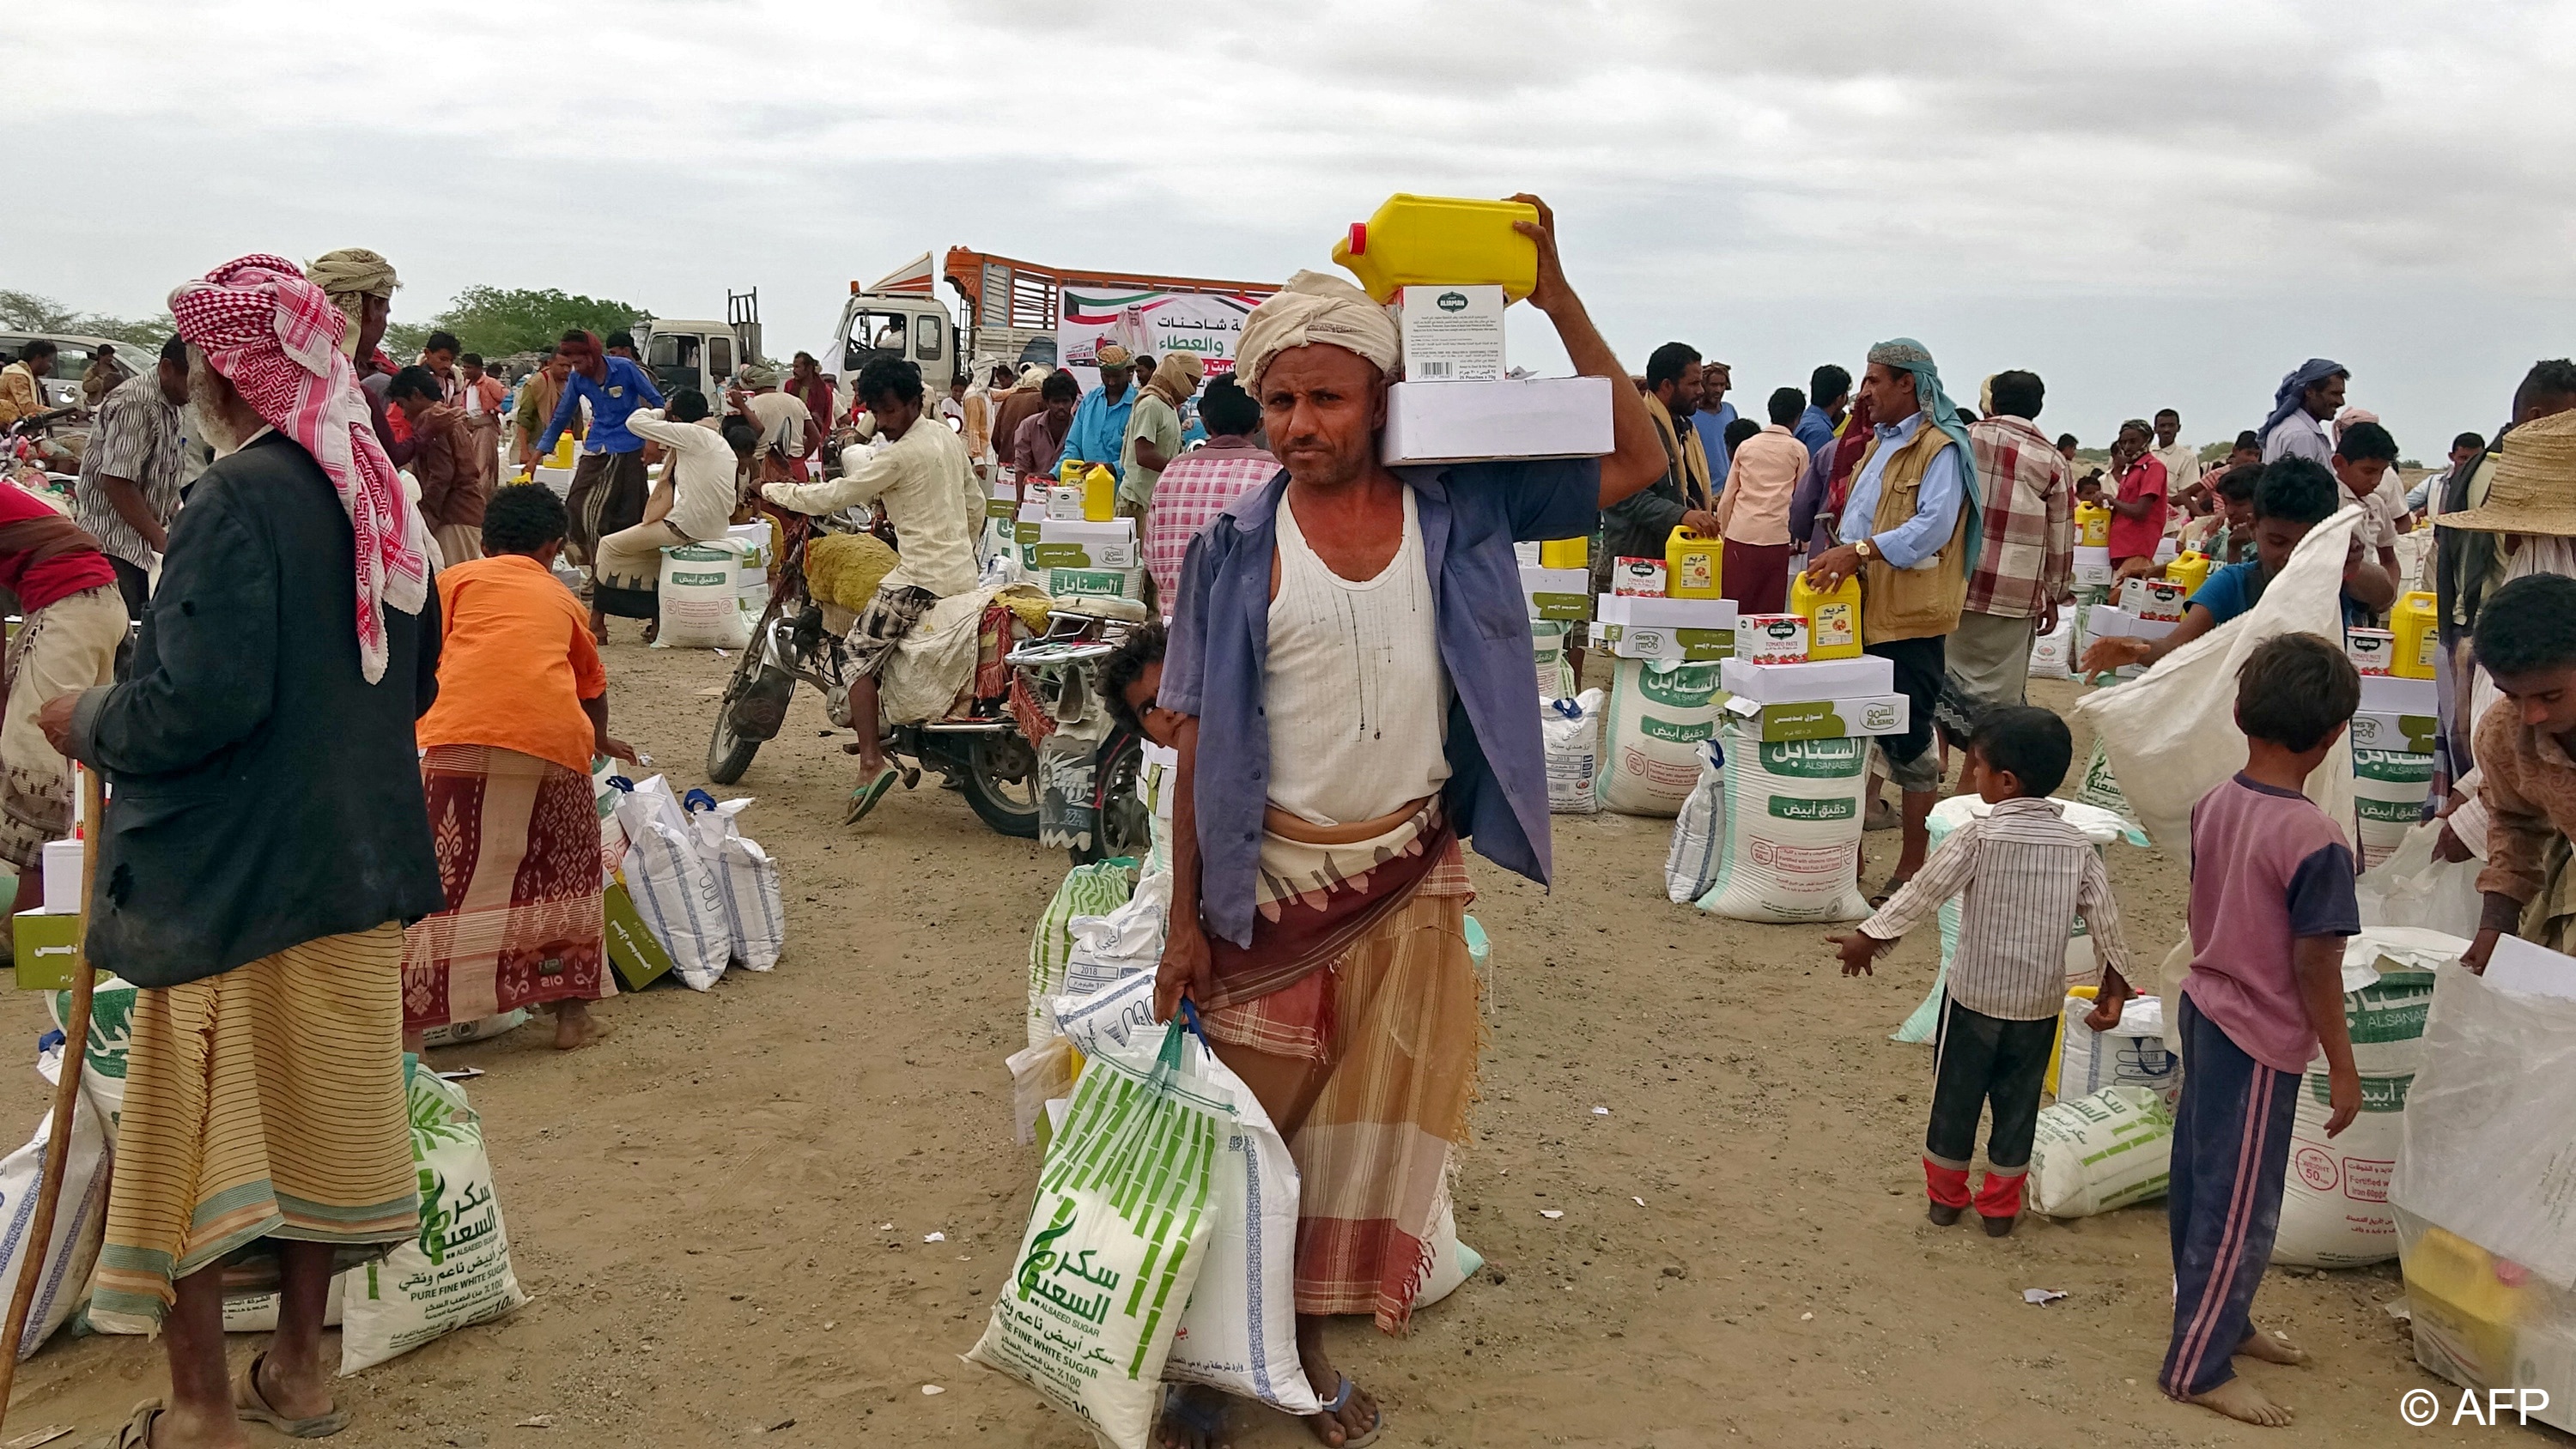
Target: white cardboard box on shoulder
{"x":1860,"y":677}
{"x":1647,"y":611}
{"x":1451,"y":334}
{"x":1525,"y":417}
{"x":2394,"y":694}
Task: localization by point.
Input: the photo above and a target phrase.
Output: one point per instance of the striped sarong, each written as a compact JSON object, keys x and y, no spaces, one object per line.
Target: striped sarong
{"x":1368,"y":1066}
{"x":266,"y":1102}
{"x":518,"y":852}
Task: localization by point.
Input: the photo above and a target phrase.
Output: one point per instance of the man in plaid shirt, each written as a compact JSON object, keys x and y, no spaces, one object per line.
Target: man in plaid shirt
{"x":2026,"y":500}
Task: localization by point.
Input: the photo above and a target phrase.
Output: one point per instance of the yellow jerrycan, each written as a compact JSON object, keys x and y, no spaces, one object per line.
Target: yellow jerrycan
{"x":2417,"y":623}
{"x":1692,"y":565}
{"x":1441,"y":241}
{"x":1565,"y":553}
{"x":2190,"y":568}
{"x":2092,"y":525}
{"x":561,"y":457}
{"x":1833,"y":616}
{"x":1099,"y":494}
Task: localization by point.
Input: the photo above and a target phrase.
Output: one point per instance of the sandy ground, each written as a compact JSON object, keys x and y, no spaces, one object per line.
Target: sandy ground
{"x":721,"y":1211}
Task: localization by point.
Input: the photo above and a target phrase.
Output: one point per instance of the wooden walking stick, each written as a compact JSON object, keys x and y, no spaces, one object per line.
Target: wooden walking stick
{"x":58,"y":1139}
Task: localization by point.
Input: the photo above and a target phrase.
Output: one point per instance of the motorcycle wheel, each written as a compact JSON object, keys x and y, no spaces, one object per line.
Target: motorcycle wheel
{"x":1000,"y":776}
{"x":1125,"y":826}
{"x":729,"y":751}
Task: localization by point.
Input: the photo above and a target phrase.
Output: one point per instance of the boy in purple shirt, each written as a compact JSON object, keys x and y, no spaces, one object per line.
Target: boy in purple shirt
{"x":2271,"y":901}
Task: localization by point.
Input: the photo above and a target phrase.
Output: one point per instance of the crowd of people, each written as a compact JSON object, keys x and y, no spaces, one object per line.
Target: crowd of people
{"x":352,"y":744}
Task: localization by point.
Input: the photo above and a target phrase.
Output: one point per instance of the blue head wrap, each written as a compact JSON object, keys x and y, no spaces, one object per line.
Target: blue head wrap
{"x":1904,"y":354}
{"x":2293,"y":391}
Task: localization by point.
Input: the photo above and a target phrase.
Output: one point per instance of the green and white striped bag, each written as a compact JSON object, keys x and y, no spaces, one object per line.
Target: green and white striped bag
{"x":1115,"y":1242}
{"x":1088,"y":890}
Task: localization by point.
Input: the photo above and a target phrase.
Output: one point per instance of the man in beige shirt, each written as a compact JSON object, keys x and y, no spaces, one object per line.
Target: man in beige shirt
{"x":928,"y":489}
{"x":1753,"y":512}
{"x":2181,"y":460}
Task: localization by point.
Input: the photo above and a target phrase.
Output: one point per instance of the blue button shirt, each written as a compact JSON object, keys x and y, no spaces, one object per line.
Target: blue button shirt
{"x":1098,"y":432}
{"x":1471,"y":515}
{"x":1936,"y":501}
{"x":1815,"y":430}
{"x":627,"y":388}
{"x":1711,"y":427}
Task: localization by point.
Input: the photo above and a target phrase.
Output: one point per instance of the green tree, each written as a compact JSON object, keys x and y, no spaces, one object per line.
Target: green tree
{"x":28,"y":312}
{"x":498,"y":321}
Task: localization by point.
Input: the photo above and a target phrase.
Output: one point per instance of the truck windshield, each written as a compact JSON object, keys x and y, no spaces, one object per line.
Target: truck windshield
{"x":672,"y":357}
{"x":872,"y":335}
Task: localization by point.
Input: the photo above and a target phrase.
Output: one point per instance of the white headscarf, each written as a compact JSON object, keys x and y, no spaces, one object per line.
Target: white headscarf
{"x":1316,"y":307}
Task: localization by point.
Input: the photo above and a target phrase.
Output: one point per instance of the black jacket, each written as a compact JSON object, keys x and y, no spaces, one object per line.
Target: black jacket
{"x":265,"y":794}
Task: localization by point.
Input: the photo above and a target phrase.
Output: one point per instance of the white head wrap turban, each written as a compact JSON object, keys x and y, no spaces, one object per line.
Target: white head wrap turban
{"x":349,"y":277}
{"x":1315,"y":308}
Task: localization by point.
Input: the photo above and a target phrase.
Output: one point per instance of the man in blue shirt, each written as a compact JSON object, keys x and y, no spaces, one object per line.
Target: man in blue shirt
{"x":1099,"y":432}
{"x":2293,"y":496}
{"x":1349,"y":662}
{"x":1828,"y":394}
{"x":1715,"y":412}
{"x":608,"y":484}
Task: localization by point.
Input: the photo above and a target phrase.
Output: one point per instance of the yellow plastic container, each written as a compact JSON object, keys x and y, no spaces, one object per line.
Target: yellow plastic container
{"x":1692,"y":565}
{"x":1099,"y":494}
{"x":2417,"y":622}
{"x":2461,"y":1295}
{"x":1441,"y":241}
{"x":2190,"y":568}
{"x":2092,"y":525}
{"x":561,"y":457}
{"x":1833,"y":618}
{"x":1565,"y":553}
{"x":1069,"y":472}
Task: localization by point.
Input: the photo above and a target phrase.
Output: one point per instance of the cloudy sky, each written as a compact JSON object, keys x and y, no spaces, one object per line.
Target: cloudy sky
{"x":2164,"y":205}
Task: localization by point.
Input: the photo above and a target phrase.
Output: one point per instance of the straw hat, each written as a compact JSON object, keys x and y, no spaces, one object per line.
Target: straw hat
{"x":2533,"y":489}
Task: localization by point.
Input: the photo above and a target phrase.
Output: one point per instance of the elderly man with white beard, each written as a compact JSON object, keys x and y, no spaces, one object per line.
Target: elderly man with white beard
{"x":1350,"y":658}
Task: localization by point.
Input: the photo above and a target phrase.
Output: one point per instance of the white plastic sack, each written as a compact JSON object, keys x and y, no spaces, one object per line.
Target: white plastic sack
{"x":2388,"y":790}
{"x":1118,"y":1238}
{"x":2411,"y":888}
{"x":701,"y":597}
{"x":257,"y":1312}
{"x":458,"y":1033}
{"x":1793,"y":823}
{"x":1452,"y":1262}
{"x":2099,"y":1152}
{"x":1239,"y":1332}
{"x":2334,"y":1203}
{"x":1039,"y":1075}
{"x":2131,"y":1054}
{"x":1659,"y":713}
{"x":2483,"y":1152}
{"x":1095,"y":890}
{"x":1548,"y":638}
{"x":457,"y":1270}
{"x":111,"y":1031}
{"x":2170,"y":735}
{"x":80,"y":1217}
{"x":1571,"y":731}
{"x":2052,"y":655}
{"x":674,"y":890}
{"x":1690,"y":865}
{"x":1108,"y":949}
{"x":746,"y":883}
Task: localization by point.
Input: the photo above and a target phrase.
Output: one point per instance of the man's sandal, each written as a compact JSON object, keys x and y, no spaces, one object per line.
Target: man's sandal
{"x":865,"y":798}
{"x":253,"y":1406}
{"x":1204,"y":1417}
{"x":136,"y":1431}
{"x":1341,"y":1401}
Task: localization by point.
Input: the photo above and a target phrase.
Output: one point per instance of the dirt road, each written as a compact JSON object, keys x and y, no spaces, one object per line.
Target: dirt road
{"x":721,"y":1211}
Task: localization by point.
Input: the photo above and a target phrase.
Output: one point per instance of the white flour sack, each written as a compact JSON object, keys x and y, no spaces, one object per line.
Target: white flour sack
{"x":2052,"y":655}
{"x":80,"y":1216}
{"x":1571,"y":730}
{"x":1547,"y":658}
{"x":2388,"y":789}
{"x":701,"y":597}
{"x":2334,"y":1200}
{"x":1118,"y":1236}
{"x":2104,"y":1151}
{"x":673,"y":888}
{"x":1659,"y":713}
{"x":1690,"y":865}
{"x":1239,"y":1332}
{"x":457,"y":1270}
{"x":746,"y":882}
{"x":1792,"y":830}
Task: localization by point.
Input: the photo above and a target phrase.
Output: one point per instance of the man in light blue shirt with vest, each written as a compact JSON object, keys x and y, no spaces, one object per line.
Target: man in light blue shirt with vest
{"x":1099,"y":430}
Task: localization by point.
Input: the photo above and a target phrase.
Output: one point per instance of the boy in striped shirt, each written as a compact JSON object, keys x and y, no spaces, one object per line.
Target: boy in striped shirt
{"x":2026,"y":876}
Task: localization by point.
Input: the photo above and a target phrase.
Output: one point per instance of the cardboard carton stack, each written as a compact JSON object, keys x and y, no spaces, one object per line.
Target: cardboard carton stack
{"x":1074,"y":557}
{"x":1824,"y":699}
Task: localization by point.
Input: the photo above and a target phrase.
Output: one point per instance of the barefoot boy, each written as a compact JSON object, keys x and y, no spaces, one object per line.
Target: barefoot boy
{"x":2271,"y":901}
{"x":2027,"y":875}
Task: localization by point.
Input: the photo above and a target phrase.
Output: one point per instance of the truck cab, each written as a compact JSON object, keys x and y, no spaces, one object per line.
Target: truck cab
{"x":702,"y":353}
{"x":897,"y":316}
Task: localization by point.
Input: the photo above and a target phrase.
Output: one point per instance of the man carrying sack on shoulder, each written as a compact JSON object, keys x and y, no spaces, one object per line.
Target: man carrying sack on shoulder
{"x":266,"y":844}
{"x":1351,"y":710}
{"x":1911,"y":532}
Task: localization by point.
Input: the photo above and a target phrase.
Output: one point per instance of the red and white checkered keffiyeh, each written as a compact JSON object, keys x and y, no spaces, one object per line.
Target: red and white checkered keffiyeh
{"x":276,"y":337}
